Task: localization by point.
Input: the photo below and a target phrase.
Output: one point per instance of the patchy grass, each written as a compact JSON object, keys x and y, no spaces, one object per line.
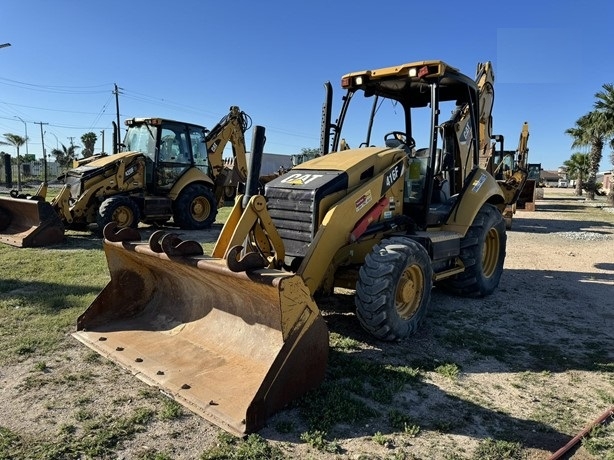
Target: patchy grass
{"x":393,"y":397}
{"x":94,"y":438}
{"x":253,"y":447}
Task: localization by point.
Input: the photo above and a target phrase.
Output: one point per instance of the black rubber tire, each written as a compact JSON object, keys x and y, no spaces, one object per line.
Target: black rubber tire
{"x":195,"y":208}
{"x":119,"y":209}
{"x":393,"y":290}
{"x":229,"y":193}
{"x":482,"y":253}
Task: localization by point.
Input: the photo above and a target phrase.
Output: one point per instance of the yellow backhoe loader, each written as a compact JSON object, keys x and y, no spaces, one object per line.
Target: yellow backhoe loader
{"x":237,"y":334}
{"x":513,"y":173}
{"x":167,"y":170}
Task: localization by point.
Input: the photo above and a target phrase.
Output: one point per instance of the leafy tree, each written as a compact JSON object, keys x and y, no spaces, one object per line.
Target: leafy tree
{"x":65,"y":156}
{"x":577,"y":169}
{"x":29,"y":158}
{"x":89,"y":141}
{"x":16,"y":141}
{"x":592,"y":130}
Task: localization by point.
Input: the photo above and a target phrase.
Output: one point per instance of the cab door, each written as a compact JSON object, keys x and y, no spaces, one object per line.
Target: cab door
{"x":174,"y":156}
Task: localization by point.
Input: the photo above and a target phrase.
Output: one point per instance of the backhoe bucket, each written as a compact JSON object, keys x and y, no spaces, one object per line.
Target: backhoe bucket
{"x":232,"y":347}
{"x":29,"y":223}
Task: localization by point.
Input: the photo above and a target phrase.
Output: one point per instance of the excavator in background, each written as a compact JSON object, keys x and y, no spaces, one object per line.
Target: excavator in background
{"x":238,"y":334}
{"x":167,"y":170}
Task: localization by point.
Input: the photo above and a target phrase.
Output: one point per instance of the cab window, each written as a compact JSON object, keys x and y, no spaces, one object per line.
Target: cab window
{"x":199,"y":149}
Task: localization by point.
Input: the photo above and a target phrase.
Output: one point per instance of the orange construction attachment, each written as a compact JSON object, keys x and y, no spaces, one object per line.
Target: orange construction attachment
{"x":28,"y":223}
{"x":232,"y":347}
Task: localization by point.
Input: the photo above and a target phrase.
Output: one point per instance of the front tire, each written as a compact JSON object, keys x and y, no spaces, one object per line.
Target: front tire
{"x":393,"y":290}
{"x":119,"y":209}
{"x":482,"y":253}
{"x":195,"y":208}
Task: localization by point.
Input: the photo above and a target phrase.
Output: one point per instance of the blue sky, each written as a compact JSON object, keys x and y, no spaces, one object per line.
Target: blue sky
{"x":193,"y":59}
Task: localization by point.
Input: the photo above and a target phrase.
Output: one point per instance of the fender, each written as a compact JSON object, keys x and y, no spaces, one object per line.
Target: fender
{"x":189,"y":177}
{"x":480,"y":188}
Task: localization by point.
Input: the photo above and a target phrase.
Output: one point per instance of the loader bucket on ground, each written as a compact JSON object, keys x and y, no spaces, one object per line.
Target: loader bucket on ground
{"x":231,"y":347}
{"x":29,"y":223}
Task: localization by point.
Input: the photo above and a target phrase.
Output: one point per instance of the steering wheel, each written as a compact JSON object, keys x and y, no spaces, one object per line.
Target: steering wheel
{"x":401,"y":137}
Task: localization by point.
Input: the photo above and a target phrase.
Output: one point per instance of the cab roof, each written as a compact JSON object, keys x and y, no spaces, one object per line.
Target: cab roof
{"x":410,"y":83}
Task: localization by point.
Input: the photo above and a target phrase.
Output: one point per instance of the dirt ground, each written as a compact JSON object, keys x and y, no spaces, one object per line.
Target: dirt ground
{"x":553,"y":312}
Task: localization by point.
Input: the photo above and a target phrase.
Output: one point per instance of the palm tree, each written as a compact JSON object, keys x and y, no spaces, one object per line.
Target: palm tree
{"x":65,"y":156}
{"x":592,"y":130}
{"x":605,"y":104}
{"x":89,"y":141}
{"x":16,"y":141}
{"x":605,"y":99}
{"x":577,"y":169}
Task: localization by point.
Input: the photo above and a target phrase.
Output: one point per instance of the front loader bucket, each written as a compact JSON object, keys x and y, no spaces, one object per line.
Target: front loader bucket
{"x":232,"y":347}
{"x":29,"y":223}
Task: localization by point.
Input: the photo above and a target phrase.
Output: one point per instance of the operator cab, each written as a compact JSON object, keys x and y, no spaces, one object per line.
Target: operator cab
{"x":440,"y":151}
{"x":170,"y":148}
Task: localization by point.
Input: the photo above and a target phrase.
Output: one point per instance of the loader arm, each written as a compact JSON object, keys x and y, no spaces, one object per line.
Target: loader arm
{"x":61,"y":203}
{"x":254,"y":228}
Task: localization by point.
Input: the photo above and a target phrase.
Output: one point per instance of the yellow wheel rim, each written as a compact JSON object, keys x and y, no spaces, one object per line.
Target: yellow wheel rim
{"x":200,"y":208}
{"x":490,"y":253}
{"x":410,"y":291}
{"x":123,"y":216}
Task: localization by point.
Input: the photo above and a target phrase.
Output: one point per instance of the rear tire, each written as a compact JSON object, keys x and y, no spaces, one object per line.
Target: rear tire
{"x":195,"y":208}
{"x":393,"y":290}
{"x":482,"y":253}
{"x":119,"y":209}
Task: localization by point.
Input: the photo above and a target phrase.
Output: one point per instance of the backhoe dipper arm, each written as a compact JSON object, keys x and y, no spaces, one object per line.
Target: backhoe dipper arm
{"x":523,"y":150}
{"x":485,"y":79}
{"x":231,"y":128}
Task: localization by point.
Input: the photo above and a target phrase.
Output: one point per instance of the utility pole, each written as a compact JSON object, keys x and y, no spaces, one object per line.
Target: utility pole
{"x":44,"y":153}
{"x":102,"y":137}
{"x":117,"y":140}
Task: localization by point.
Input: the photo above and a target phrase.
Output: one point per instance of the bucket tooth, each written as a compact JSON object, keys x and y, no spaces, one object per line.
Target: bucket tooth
{"x":113,"y":232}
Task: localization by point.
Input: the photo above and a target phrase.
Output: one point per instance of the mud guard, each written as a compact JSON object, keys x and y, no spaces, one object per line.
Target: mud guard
{"x":231,"y":347}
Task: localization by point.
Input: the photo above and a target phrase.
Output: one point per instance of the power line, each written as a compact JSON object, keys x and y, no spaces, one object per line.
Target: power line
{"x":52,"y":88}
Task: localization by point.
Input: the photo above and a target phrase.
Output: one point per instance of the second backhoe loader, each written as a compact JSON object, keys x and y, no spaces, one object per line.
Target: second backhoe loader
{"x":513,"y":173}
{"x":167,"y":170}
{"x":237,"y":334}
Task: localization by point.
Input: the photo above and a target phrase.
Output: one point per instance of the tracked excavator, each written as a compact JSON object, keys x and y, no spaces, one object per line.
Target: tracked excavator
{"x":167,"y":170}
{"x":237,"y":334}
